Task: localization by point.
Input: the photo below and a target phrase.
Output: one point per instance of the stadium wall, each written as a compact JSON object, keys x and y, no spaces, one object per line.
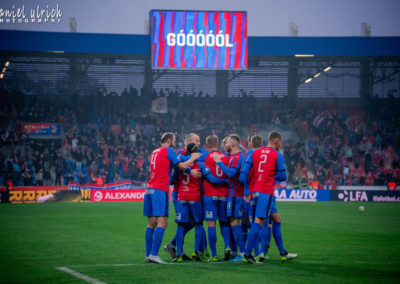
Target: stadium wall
{"x":140,"y":44}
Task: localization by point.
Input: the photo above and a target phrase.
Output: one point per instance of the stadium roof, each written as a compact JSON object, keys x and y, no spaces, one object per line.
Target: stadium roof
{"x":140,"y":44}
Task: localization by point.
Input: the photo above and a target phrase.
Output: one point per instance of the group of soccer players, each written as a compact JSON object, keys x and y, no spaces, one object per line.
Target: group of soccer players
{"x":234,"y":189}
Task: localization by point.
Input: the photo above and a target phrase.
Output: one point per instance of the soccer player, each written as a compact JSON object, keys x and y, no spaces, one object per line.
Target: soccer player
{"x":266,"y":165}
{"x":156,"y":201}
{"x":235,"y":203}
{"x":276,"y":219}
{"x":170,"y":247}
{"x":266,"y":232}
{"x":190,"y":205}
{"x":215,"y":200}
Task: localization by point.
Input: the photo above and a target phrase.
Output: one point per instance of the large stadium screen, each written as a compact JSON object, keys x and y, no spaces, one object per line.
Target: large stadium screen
{"x":198,"y":39}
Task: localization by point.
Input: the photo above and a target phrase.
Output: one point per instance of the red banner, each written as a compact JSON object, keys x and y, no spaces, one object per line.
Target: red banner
{"x":117,"y":195}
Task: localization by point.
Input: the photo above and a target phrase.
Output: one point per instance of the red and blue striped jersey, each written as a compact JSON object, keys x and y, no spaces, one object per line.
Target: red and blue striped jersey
{"x":235,"y":188}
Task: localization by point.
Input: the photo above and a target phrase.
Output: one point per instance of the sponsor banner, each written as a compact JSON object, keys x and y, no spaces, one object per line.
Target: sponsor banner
{"x":365,"y":196}
{"x":42,"y":130}
{"x":41,"y":196}
{"x":36,"y":188}
{"x":309,"y":195}
{"x":117,"y":195}
{"x":110,"y":186}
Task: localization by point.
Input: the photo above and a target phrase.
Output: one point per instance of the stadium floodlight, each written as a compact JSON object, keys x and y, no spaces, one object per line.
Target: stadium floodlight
{"x":4,"y":70}
{"x":308,"y":80}
{"x":1,"y":75}
{"x":317,"y":75}
{"x":7,"y":63}
{"x":304,"y":55}
{"x":327,"y":69}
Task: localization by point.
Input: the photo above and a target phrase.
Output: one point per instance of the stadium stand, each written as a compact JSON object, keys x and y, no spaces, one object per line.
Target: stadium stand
{"x":110,"y":136}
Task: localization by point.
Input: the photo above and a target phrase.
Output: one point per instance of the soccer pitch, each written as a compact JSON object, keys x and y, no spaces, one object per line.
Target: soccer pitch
{"x":104,"y":243}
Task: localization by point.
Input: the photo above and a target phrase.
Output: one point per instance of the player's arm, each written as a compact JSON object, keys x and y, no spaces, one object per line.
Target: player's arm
{"x":195,"y":173}
{"x":209,"y":176}
{"x":203,"y":156}
{"x":280,"y":168}
{"x":230,"y":172}
{"x":247,"y":167}
{"x":177,"y":163}
{"x":242,"y":175}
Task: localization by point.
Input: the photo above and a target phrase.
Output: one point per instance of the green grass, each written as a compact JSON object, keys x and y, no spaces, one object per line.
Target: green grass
{"x":335,"y":242}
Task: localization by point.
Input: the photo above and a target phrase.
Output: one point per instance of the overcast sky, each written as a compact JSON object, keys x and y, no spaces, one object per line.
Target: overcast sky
{"x":265,"y":17}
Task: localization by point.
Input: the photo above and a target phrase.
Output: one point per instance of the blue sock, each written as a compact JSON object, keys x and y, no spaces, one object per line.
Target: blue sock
{"x":269,"y":235}
{"x":198,"y":237}
{"x":252,"y":238}
{"x":179,"y":239}
{"x":239,"y":238}
{"x":203,"y":244}
{"x":245,"y":229}
{"x":157,"y":239}
{"x":173,"y":242}
{"x":257,"y":246}
{"x":149,"y":240}
{"x":187,"y":227}
{"x":233,"y":243}
{"x":276,"y":231}
{"x":263,"y":238}
{"x":226,"y":235}
{"x":212,"y":239}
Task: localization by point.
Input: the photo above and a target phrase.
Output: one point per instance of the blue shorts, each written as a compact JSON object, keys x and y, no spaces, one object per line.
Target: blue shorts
{"x":235,"y":207}
{"x":156,"y":203}
{"x":246,"y":208}
{"x":189,"y":209}
{"x":262,"y":204}
{"x":273,"y":206}
{"x":251,"y":210}
{"x":215,"y":208}
{"x":174,"y":195}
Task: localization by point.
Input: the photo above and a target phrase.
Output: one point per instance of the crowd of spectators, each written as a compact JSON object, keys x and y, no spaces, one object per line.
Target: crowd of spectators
{"x":108,"y":139}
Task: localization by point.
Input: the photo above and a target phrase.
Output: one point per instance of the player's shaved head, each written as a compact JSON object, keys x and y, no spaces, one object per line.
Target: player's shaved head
{"x":273,"y":135}
{"x":256,"y":141}
{"x":275,"y":140}
{"x":250,"y":136}
{"x":212,"y":141}
{"x":166,"y":136}
{"x":235,"y":139}
{"x":192,"y":138}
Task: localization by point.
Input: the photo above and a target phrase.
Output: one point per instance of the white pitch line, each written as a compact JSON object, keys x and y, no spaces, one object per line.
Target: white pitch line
{"x":225,"y":262}
{"x":80,"y":275}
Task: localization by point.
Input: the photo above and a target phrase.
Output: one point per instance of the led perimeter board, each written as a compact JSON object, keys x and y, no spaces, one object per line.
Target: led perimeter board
{"x":198,"y":40}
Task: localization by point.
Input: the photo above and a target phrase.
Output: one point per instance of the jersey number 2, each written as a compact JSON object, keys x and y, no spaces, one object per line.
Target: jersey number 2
{"x":263,"y":161}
